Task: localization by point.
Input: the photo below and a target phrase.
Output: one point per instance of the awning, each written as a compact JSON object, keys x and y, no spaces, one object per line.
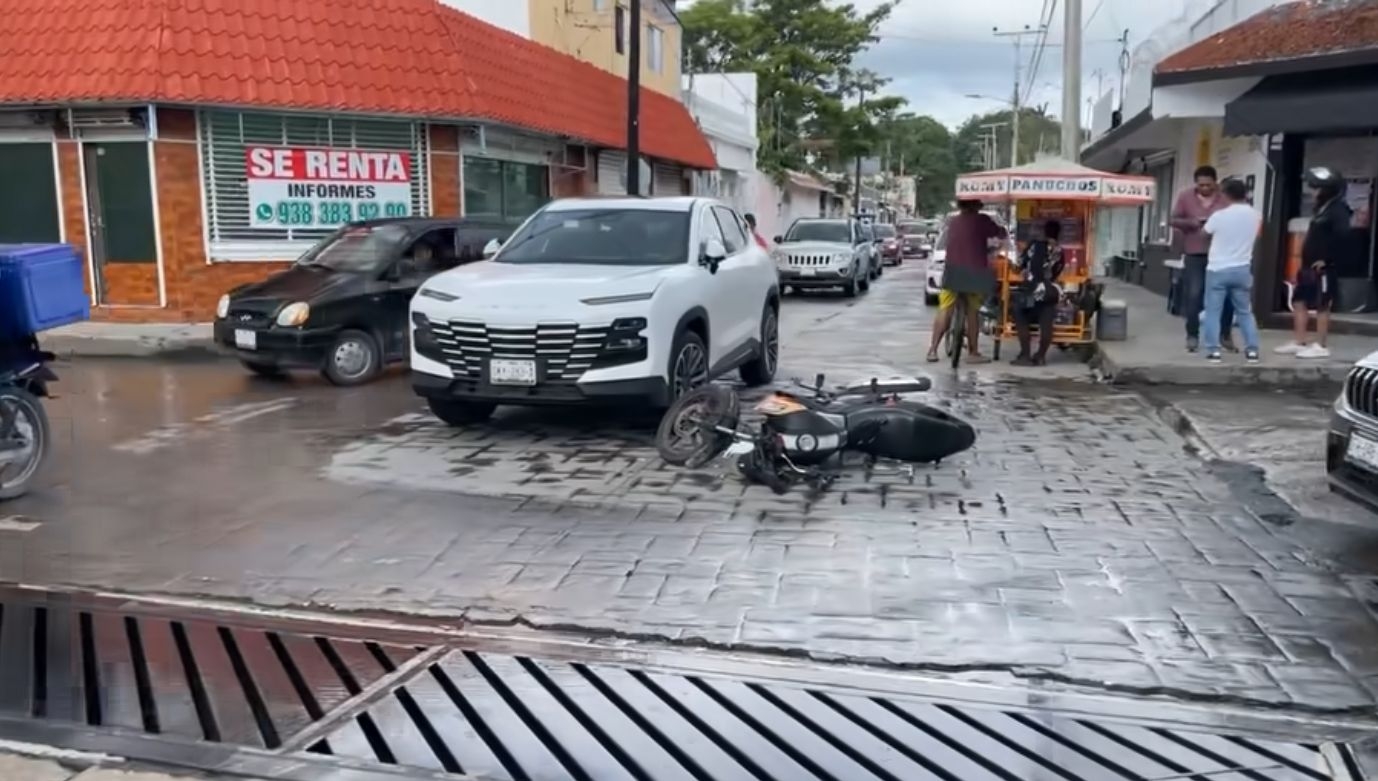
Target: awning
{"x":1325,"y":101}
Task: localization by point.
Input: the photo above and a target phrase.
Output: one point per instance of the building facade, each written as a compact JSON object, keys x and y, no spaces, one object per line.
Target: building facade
{"x":1261,"y":91}
{"x":595,"y":32}
{"x":724,"y":105}
{"x":198,"y":167}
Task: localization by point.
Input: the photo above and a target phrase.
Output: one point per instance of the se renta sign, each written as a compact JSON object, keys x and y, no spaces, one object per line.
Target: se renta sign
{"x":307,"y":187}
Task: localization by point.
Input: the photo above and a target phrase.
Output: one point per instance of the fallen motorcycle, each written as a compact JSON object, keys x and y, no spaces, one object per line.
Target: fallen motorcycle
{"x":24,"y":431}
{"x":801,"y":434}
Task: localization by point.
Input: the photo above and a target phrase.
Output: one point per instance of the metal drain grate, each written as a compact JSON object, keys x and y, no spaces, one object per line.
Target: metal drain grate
{"x":506,"y":717}
{"x":190,"y":678}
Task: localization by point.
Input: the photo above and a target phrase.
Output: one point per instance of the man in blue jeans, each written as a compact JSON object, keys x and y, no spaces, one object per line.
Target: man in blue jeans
{"x":1233,"y":232}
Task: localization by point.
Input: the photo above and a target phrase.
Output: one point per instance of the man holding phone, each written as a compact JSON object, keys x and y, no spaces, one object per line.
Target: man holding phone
{"x":1189,"y":214}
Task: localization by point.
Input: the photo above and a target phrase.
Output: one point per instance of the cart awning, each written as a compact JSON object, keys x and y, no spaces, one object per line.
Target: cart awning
{"x":1055,"y":180}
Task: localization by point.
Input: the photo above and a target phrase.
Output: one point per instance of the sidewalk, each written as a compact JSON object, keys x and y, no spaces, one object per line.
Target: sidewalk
{"x":128,"y":340}
{"x":14,"y":767}
{"x":1155,"y":352}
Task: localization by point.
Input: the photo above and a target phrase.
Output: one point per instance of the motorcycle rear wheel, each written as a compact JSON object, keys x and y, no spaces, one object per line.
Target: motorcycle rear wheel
{"x":687,"y":434}
{"x":31,"y":422}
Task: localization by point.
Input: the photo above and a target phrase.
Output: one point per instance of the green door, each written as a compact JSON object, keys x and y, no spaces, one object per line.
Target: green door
{"x":28,"y":194}
{"x":119,"y":195}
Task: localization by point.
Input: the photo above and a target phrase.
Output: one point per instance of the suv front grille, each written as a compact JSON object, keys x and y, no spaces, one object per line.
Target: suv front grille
{"x":1361,"y":390}
{"x":566,"y":350}
{"x":810,"y":260}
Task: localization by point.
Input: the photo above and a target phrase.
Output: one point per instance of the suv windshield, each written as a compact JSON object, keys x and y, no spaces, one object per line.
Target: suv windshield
{"x":820,"y":231}
{"x":356,"y":248}
{"x":885,"y":231}
{"x":622,"y":237}
{"x":911,"y":228}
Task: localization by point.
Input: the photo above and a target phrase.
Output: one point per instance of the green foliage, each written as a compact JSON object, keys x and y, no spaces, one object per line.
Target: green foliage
{"x":1037,"y":132}
{"x":802,"y":53}
{"x":921,"y":147}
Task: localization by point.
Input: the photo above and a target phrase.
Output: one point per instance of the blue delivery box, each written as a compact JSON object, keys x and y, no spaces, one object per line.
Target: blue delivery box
{"x":40,"y":288}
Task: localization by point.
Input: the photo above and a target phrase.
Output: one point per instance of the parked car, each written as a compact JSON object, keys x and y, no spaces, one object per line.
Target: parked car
{"x":1351,"y":453}
{"x":341,"y":308}
{"x":888,"y":244}
{"x":933,"y":273}
{"x":628,"y":300}
{"x":821,"y":252}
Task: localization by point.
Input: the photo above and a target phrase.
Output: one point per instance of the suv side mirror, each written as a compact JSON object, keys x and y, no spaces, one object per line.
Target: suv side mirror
{"x":779,"y":239}
{"x":714,"y":252}
{"x":491,"y":248}
{"x":393,"y":272}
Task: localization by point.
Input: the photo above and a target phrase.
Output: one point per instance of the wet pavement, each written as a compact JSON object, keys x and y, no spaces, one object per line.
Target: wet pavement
{"x":1078,"y":542}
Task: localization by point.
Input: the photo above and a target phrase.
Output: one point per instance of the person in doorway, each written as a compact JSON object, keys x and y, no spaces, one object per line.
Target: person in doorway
{"x":751,"y":224}
{"x":1324,"y":250}
{"x":1035,"y":300}
{"x":1229,"y":269}
{"x":1189,"y":214}
{"x":967,"y":273}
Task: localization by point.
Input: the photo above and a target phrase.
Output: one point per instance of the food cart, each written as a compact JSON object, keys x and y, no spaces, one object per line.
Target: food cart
{"x":1073,"y":194}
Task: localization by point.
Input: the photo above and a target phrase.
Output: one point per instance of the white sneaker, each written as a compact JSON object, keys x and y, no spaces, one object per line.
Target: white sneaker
{"x":1291,"y":348}
{"x":1313,"y":351}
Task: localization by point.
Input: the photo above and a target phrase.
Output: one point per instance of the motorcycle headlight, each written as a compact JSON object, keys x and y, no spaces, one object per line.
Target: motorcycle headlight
{"x":807,"y":443}
{"x":294,"y":315}
{"x":222,"y":307}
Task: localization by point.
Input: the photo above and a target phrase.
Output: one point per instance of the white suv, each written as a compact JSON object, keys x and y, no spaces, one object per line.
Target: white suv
{"x":598,"y":300}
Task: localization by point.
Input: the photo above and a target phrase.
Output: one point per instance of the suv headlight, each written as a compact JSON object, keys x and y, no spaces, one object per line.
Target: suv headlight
{"x":625,"y":343}
{"x":222,"y":307}
{"x":842,"y":257}
{"x":294,"y":315}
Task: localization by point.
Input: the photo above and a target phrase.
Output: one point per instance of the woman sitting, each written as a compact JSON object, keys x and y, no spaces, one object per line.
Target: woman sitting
{"x":1035,"y":299}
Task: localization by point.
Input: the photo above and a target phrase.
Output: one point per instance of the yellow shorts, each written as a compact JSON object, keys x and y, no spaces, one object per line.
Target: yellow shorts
{"x":948,"y":299}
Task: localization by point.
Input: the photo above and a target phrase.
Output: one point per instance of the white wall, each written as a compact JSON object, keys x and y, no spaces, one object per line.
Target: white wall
{"x":511,"y":15}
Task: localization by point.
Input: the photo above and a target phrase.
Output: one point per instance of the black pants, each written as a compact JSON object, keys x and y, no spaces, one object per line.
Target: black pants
{"x":1042,"y":315}
{"x":1194,"y":298}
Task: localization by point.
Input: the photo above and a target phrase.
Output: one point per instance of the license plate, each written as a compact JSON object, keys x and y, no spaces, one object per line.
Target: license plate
{"x":808,"y":272}
{"x":1363,"y":451}
{"x":245,"y":339}
{"x":502,"y":372}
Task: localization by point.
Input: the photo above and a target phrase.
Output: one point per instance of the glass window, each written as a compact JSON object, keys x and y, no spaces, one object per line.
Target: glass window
{"x":619,"y":29}
{"x":1157,"y":214}
{"x":503,"y":189}
{"x":733,"y":235}
{"x":224,"y":136}
{"x":622,"y":237}
{"x":911,"y":228}
{"x":885,"y":231}
{"x":655,"y":49}
{"x":356,"y":249}
{"x":28,"y":194}
{"x":820,"y":230}
{"x":710,"y":229}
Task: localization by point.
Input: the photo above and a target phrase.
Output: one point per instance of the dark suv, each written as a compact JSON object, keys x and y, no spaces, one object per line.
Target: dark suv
{"x":342,"y":308}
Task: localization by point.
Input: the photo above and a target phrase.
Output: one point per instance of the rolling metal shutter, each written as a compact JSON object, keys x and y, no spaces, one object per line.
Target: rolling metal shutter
{"x":669,"y":180}
{"x":610,"y":168}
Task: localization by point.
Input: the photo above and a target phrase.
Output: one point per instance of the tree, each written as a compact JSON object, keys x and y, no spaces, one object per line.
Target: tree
{"x":921,"y":147}
{"x":1038,"y":132}
{"x":802,"y":53}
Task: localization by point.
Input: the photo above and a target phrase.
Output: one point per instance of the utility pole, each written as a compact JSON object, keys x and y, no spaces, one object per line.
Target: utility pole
{"x":1018,"y":36}
{"x":1125,"y":62}
{"x":861,"y":103}
{"x":990,"y":147}
{"x":1071,"y":81}
{"x":633,"y":98}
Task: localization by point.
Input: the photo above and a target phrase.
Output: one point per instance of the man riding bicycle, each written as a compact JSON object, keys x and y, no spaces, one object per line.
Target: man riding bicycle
{"x":967,"y":274}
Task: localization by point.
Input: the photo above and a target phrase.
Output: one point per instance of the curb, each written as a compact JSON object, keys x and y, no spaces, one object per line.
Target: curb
{"x":1205,"y":375}
{"x":168,"y":349}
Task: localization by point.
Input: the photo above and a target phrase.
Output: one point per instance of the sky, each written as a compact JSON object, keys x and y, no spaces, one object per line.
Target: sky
{"x":936,"y":52}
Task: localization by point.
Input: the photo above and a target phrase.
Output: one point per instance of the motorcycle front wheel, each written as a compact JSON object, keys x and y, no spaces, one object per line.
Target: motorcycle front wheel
{"x":688,"y":434}
{"x":23,"y":440}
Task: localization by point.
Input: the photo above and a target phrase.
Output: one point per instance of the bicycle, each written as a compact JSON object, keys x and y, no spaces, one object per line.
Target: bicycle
{"x":957,"y":331}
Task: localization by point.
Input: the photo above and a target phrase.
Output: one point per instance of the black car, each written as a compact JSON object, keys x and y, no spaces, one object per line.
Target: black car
{"x":342,"y":308}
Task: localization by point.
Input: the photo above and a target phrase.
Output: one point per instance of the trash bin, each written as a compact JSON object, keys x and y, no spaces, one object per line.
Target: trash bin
{"x":1112,"y":323}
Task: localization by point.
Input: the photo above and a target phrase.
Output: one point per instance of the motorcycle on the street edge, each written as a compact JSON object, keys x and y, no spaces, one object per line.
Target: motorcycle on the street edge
{"x":24,"y":430}
{"x":801,"y":434}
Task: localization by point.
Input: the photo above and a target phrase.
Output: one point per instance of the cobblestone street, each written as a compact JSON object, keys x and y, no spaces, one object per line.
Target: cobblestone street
{"x":1078,"y":542}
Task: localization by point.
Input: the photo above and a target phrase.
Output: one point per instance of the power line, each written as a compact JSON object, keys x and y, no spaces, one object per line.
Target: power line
{"x":1092,"y":17}
{"x":1037,"y":60}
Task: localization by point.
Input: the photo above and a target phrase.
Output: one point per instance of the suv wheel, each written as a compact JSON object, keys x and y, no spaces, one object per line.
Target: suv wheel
{"x":353,"y":359}
{"x":455,"y":412}
{"x":761,"y":369}
{"x":688,"y":364}
{"x":849,"y":289}
{"x":865,"y":283}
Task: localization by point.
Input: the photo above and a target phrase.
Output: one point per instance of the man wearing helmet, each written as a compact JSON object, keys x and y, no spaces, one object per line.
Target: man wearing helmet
{"x":1324,"y":250}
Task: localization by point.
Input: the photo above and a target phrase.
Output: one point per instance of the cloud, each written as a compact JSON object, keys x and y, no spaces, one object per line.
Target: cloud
{"x":938,"y":51}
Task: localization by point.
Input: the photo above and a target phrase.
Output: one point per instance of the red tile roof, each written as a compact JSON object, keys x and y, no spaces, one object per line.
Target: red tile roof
{"x":410,"y":57}
{"x":1310,"y":28}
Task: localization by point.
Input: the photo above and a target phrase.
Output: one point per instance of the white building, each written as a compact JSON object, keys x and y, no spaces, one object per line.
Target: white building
{"x":724,"y":105}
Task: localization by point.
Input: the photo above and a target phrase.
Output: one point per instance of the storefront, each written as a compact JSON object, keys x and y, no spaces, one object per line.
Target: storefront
{"x":214,"y":172}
